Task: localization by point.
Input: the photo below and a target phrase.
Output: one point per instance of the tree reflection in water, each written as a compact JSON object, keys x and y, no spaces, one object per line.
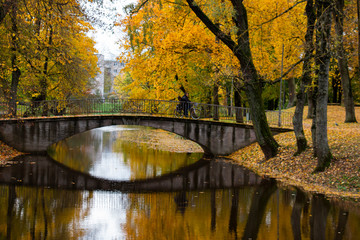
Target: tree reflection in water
{"x":245,"y":212}
{"x":209,"y":199}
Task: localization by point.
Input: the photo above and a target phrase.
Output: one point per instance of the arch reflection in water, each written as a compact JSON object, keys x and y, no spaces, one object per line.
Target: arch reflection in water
{"x":124,"y":152}
{"x":215,"y":199}
{"x":42,"y":171}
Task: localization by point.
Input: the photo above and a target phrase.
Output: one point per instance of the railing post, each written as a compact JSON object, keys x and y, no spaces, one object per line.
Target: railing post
{"x":239,"y":118}
{"x":216,"y":113}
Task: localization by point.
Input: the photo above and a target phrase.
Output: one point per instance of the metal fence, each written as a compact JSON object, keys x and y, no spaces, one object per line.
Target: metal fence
{"x":140,"y":107}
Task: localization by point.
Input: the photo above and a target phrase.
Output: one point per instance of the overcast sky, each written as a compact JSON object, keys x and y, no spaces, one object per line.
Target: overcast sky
{"x":106,"y":39}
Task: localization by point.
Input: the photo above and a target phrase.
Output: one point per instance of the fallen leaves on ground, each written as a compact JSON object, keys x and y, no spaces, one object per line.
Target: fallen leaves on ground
{"x":340,"y":179}
{"x":165,"y":141}
{"x":7,"y":153}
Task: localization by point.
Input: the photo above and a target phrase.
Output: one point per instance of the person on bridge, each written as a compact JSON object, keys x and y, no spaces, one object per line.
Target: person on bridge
{"x":186,"y":103}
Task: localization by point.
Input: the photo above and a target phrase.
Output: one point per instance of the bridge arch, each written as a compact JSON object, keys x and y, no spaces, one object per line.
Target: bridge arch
{"x":35,"y":135}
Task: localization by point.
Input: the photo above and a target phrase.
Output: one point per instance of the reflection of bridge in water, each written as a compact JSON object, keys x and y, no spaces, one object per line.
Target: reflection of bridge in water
{"x":220,"y":130}
{"x":42,"y":171}
{"x":308,"y":216}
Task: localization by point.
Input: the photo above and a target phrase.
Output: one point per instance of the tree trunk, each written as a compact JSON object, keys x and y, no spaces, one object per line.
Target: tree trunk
{"x":228,"y":100}
{"x":263,"y":134}
{"x":253,"y":86}
{"x":313,"y":124}
{"x":322,"y":150}
{"x":292,"y":95}
{"x":15,"y":75}
{"x":311,"y":103}
{"x":343,"y":63}
{"x":305,"y":79}
{"x":216,"y":102}
{"x":358,"y":27}
{"x":334,"y":85}
{"x":237,"y":100}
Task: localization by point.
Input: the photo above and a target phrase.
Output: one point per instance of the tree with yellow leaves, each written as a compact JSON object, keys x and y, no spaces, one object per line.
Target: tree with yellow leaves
{"x":167,"y":48}
{"x":51,"y":56}
{"x":166,"y":40}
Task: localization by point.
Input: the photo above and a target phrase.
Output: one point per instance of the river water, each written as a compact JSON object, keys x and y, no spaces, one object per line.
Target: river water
{"x":119,"y":183}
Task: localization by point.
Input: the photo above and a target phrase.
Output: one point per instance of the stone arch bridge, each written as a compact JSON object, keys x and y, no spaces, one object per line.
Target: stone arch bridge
{"x":35,"y":135}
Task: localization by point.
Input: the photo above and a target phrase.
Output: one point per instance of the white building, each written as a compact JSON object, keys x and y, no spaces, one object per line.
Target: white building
{"x":104,"y":81}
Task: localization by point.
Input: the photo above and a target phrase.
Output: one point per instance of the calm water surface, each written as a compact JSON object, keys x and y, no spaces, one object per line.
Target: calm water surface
{"x":104,"y":186}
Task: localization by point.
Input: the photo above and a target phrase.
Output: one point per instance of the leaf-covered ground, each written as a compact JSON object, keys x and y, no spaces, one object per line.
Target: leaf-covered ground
{"x":164,"y":141}
{"x":341,"y":179}
{"x":7,"y":153}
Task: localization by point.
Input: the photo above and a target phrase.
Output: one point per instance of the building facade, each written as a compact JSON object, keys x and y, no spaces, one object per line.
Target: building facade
{"x":104,"y":81}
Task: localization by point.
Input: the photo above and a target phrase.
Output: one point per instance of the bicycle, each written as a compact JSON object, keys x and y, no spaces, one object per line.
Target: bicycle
{"x":194,"y":111}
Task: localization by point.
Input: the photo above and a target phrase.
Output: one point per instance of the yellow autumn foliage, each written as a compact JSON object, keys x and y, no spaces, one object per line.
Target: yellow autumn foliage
{"x":52,"y":50}
{"x":166,"y":39}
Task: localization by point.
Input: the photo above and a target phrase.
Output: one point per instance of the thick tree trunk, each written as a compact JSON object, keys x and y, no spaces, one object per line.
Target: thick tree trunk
{"x":305,"y":79}
{"x":343,"y":63}
{"x":322,"y":150}
{"x":253,"y":85}
{"x":262,"y":131}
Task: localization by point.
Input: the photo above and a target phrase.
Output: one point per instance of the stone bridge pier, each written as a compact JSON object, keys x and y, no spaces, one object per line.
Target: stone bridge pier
{"x":35,"y":135}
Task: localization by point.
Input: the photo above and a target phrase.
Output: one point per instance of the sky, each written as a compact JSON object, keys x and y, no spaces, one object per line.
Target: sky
{"x":107,"y":39}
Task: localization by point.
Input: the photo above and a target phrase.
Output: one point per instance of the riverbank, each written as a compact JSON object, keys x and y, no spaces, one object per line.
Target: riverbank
{"x":7,"y":153}
{"x":341,"y":179}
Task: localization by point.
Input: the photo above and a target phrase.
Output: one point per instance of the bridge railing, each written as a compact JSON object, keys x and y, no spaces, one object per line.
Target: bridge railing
{"x":138,"y":107}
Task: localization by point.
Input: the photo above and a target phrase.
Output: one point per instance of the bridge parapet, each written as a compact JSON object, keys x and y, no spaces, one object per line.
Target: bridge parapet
{"x":116,"y":106}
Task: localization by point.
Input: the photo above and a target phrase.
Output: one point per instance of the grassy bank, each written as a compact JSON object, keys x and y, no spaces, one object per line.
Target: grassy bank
{"x":341,"y":179}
